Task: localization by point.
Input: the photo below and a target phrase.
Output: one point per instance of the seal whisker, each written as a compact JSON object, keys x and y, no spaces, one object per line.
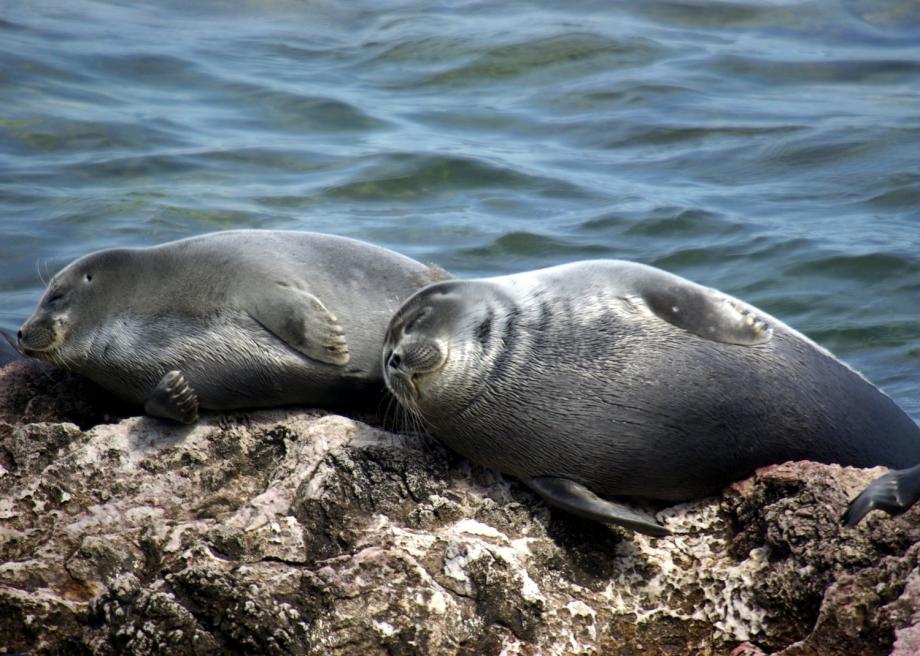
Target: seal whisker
{"x":38,"y":270}
{"x":391,"y":418}
{"x":382,"y":408}
{"x":404,"y":420}
{"x":423,"y":426}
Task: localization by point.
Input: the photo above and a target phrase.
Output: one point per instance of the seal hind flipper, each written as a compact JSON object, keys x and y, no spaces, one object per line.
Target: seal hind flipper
{"x":173,"y":398}
{"x":579,"y":500}
{"x":705,"y":313}
{"x":895,"y":492}
{"x":301,"y":320}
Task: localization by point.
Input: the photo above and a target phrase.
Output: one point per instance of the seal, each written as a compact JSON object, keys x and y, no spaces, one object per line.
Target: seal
{"x":235,"y":319}
{"x":609,"y":378}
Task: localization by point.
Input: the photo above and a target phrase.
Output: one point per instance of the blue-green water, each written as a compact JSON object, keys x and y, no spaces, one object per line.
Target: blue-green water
{"x":771,"y":148}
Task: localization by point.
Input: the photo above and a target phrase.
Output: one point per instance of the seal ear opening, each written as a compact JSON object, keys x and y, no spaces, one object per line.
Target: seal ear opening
{"x":484,"y":330}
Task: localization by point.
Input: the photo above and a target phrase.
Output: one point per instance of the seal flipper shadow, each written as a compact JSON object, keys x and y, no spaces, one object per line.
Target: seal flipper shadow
{"x":173,"y":398}
{"x":895,"y":492}
{"x":704,"y":312}
{"x":301,"y":320}
{"x":579,"y":500}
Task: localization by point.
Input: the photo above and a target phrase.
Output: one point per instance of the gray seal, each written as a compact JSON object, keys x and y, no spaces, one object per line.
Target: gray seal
{"x":607,"y":378}
{"x":226,"y":320}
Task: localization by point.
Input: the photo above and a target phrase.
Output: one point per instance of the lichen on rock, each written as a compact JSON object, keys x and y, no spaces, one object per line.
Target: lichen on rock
{"x":301,"y":532}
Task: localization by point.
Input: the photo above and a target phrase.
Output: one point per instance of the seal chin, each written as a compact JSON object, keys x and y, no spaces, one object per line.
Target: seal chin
{"x":403,"y":386}
{"x":46,"y":353}
{"x":409,"y":362}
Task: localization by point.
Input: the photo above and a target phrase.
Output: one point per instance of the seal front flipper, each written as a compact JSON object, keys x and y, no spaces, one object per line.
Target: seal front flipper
{"x":579,"y":500}
{"x":301,"y":320}
{"x":173,"y":398}
{"x":704,"y":312}
{"x":895,"y":492}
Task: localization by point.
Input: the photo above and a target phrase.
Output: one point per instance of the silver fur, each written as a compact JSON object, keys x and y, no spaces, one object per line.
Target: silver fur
{"x":630,"y":381}
{"x":125,"y":317}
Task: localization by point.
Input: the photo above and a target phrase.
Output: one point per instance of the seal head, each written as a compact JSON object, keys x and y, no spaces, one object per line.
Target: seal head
{"x":442,"y":345}
{"x":54,"y":332}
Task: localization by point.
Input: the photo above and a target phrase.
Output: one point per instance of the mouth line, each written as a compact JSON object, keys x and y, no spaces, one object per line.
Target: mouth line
{"x":34,"y":352}
{"x":406,"y":384}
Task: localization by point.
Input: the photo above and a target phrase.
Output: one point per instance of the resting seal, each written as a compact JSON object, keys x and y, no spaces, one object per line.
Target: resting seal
{"x":605,"y":378}
{"x":227,"y":320}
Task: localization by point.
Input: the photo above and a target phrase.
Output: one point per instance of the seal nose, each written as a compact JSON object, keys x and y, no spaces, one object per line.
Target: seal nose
{"x":19,"y":335}
{"x":394,"y":361}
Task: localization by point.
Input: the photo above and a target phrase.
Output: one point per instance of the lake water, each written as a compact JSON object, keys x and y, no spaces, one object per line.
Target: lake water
{"x":771,"y":149}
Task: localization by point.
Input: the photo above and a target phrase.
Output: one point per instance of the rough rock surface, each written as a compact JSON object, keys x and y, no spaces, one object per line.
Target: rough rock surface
{"x":299,"y":532}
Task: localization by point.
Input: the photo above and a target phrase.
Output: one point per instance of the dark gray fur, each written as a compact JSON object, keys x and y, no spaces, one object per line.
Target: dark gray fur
{"x":247,"y":318}
{"x":589,"y":374}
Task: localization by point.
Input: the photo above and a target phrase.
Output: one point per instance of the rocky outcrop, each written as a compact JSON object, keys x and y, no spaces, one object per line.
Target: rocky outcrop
{"x":300,"y":532}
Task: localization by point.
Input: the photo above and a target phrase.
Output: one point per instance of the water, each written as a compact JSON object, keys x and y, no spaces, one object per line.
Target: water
{"x":766,"y":148}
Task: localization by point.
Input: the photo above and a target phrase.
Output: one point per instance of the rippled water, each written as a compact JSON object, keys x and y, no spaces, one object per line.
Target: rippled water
{"x":767,"y":148}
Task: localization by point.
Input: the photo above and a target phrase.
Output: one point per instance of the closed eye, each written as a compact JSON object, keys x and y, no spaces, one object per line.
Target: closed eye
{"x":414,"y":320}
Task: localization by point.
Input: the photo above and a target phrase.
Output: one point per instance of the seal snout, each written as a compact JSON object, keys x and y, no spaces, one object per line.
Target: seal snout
{"x":398,"y":378}
{"x":37,"y":336}
{"x":410,"y":360}
{"x":416,"y":356}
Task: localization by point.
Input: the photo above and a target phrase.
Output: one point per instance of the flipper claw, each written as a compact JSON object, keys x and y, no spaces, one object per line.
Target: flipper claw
{"x":173,"y":398}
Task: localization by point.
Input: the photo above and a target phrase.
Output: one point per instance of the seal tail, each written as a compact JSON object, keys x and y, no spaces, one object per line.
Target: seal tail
{"x":895,"y":492}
